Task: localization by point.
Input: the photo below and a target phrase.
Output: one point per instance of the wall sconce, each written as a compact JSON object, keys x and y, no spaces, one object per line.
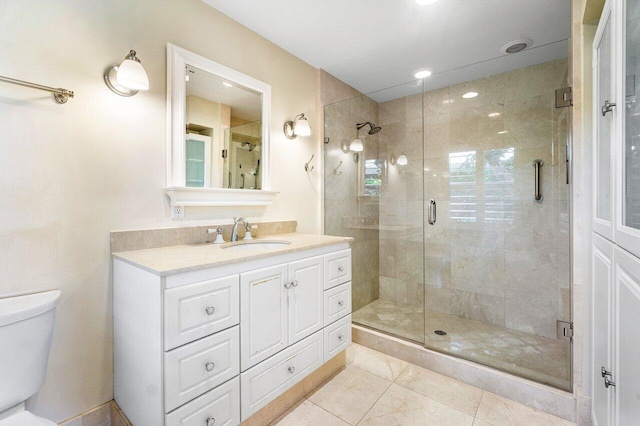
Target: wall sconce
{"x":400,"y":161}
{"x":127,"y":78}
{"x":354,"y":145}
{"x":298,"y":127}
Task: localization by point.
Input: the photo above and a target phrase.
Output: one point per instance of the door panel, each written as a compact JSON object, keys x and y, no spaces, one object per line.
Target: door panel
{"x":306,"y":298}
{"x":602,"y":282}
{"x":263,"y":329}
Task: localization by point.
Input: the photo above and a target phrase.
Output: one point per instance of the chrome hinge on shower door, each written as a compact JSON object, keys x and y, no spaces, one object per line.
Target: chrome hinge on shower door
{"x":564,"y":97}
{"x":564,"y":330}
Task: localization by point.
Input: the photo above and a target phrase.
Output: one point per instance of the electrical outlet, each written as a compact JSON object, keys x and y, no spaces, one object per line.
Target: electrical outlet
{"x":177,"y":212}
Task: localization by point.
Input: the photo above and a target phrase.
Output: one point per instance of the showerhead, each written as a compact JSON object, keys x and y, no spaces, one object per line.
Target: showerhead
{"x":373,"y":129}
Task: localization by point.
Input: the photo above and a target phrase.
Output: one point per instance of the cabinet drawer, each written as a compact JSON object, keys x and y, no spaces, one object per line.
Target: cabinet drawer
{"x":193,"y":369}
{"x":337,"y":303}
{"x":198,"y":310}
{"x":267,"y":380}
{"x":337,"y":268}
{"x":221,"y":405}
{"x":337,"y":337}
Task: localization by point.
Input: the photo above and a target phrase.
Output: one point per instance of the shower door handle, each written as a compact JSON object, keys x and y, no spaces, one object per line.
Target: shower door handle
{"x":432,"y":212}
{"x":537,"y":195}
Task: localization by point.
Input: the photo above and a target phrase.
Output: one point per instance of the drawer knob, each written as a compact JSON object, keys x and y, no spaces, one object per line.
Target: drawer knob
{"x":211,"y":421}
{"x":340,"y":302}
{"x":340,"y":268}
{"x":294,"y":283}
{"x":341,"y":337}
{"x":209,"y":366}
{"x":292,"y":369}
{"x":210,"y":310}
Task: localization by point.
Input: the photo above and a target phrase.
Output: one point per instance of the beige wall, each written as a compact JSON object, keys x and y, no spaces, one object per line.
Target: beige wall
{"x":72,"y":173}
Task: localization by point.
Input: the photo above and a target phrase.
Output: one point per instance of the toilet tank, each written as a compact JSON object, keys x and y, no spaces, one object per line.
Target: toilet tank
{"x":26,"y":325}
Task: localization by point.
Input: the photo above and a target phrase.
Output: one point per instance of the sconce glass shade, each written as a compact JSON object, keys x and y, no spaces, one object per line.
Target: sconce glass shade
{"x":299,"y":126}
{"x":356,"y":145}
{"x":302,"y":127}
{"x":402,"y":160}
{"x":127,"y":78}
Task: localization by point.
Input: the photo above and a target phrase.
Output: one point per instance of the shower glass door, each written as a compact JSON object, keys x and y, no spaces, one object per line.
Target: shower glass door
{"x":376,"y":196}
{"x":497,"y":259}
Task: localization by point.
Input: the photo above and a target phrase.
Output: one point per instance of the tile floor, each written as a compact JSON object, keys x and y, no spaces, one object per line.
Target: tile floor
{"x":534,"y":357}
{"x":376,"y":389}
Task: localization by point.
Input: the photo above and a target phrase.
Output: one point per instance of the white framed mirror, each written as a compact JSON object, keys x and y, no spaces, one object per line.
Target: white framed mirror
{"x":218,"y":136}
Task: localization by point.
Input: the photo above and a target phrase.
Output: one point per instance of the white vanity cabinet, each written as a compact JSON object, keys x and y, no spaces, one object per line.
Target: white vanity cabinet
{"x":281,"y":305}
{"x":212,"y":345}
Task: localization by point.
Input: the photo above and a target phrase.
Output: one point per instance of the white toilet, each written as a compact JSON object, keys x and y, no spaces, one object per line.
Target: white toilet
{"x":26,"y":325}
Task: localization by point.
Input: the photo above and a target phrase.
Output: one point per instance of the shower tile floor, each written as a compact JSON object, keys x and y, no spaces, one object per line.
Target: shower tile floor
{"x":534,"y":357}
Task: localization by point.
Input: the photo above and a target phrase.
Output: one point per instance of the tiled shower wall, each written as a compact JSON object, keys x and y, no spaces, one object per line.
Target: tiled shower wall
{"x":345,"y":212}
{"x":494,"y":255}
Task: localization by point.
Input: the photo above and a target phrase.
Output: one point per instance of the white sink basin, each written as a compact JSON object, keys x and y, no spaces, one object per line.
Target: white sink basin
{"x":252,"y":245}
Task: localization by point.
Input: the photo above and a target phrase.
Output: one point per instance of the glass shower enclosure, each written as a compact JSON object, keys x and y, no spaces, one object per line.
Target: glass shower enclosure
{"x":459,"y":209}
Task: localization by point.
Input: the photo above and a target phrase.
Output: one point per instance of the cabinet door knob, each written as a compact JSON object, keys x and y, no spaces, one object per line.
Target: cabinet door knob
{"x":292,"y":369}
{"x":604,"y":372}
{"x":340,"y":268}
{"x":210,"y":310}
{"x":607,"y":107}
{"x":341,"y":337}
{"x":294,"y":283}
{"x":209,"y":366}
{"x":608,"y":382}
{"x":287,"y":285}
{"x":211,"y":421}
{"x":340,"y":302}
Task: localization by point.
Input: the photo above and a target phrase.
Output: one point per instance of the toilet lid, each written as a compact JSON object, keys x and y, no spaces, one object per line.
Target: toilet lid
{"x":25,"y":418}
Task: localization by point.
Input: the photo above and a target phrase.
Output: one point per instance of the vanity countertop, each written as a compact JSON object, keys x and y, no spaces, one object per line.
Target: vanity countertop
{"x":184,"y":258}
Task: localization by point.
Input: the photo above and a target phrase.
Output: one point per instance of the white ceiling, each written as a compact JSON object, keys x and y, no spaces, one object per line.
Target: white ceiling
{"x":377,"y":44}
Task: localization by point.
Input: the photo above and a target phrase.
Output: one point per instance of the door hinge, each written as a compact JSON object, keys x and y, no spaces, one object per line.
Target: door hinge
{"x":564,"y":97}
{"x":564,"y":330}
{"x":225,"y":153}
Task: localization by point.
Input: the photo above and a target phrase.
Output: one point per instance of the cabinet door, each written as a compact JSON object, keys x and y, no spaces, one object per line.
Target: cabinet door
{"x":263,"y":329}
{"x":603,"y":182}
{"x":628,"y":212}
{"x":626,"y":373}
{"x":306,"y":298}
{"x":602,"y":288}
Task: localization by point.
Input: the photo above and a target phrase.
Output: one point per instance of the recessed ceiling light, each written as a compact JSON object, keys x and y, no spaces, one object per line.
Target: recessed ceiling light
{"x":425,"y":2}
{"x":470,"y":95}
{"x":422,"y":74}
{"x":495,"y":114}
{"x":227,"y":84}
{"x":503,"y":132}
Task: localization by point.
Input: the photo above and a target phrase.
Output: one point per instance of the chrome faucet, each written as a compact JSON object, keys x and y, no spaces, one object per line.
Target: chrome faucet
{"x":234,"y":231}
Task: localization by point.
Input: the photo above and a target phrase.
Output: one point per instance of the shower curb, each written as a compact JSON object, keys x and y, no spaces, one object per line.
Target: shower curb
{"x":540,"y":397}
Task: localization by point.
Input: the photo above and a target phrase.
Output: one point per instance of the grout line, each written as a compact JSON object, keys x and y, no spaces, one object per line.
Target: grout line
{"x":327,"y":411}
{"x":374,"y":404}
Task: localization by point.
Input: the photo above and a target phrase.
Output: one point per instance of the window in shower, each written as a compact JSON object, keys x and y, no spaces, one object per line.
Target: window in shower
{"x":462,"y":183}
{"x":372,"y":177}
{"x":494,"y":180}
{"x":499,"y":185}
